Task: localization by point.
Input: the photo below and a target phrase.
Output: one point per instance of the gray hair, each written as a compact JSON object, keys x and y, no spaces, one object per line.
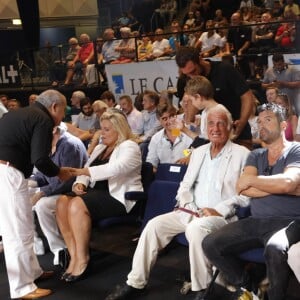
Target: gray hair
{"x":62,"y":128}
{"x":78,"y":94}
{"x":50,"y":97}
{"x":222,"y":109}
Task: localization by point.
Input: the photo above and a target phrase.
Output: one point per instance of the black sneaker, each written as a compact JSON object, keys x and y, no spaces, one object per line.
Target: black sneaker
{"x":124,"y":291}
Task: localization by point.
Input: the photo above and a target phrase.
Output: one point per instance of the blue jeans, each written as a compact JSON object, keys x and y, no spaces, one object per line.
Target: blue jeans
{"x":223,"y":247}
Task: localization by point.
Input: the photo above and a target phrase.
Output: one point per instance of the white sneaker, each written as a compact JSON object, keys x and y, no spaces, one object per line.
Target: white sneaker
{"x":246,"y":295}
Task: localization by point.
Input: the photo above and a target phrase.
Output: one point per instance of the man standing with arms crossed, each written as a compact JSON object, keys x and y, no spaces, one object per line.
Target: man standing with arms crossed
{"x":25,"y":141}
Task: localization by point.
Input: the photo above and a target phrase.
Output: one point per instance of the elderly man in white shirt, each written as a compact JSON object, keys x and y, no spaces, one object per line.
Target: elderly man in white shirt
{"x":161,"y":46}
{"x":209,"y":41}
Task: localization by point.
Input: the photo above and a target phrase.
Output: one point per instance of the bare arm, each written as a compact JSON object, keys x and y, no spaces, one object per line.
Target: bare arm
{"x":285,"y":183}
{"x":247,"y":103}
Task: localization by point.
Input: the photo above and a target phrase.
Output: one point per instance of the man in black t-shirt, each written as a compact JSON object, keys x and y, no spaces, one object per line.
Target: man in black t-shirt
{"x":230,"y":89}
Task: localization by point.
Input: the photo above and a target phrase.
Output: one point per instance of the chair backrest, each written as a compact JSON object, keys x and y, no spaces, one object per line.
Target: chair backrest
{"x":147,"y":175}
{"x":163,"y":190}
{"x":136,"y":214}
{"x":170,"y":172}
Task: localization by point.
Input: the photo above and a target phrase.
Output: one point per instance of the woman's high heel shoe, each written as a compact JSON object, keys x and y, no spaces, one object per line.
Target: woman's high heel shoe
{"x":74,"y":278}
{"x":64,"y":276}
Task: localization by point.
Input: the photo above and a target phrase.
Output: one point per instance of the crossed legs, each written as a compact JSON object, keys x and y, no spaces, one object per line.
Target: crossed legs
{"x":74,"y":222}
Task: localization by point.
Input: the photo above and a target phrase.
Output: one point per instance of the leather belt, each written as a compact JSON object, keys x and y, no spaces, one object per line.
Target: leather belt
{"x":5,"y":162}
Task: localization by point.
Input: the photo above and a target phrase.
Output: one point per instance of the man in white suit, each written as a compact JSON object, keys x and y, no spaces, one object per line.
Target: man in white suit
{"x":206,"y":201}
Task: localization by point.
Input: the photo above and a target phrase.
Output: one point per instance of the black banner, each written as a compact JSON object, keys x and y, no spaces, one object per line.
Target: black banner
{"x":9,"y":75}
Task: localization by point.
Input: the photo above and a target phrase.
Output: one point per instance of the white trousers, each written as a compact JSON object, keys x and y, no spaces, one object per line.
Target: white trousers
{"x":159,"y":232}
{"x":294,"y":259}
{"x":45,"y":210}
{"x":91,"y":74}
{"x":17,"y":228}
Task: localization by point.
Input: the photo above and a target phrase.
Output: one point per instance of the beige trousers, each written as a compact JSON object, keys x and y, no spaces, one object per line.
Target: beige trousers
{"x":157,"y":235}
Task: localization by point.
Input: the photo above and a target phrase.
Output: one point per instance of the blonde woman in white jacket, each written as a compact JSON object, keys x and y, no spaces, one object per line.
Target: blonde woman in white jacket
{"x":113,"y":168}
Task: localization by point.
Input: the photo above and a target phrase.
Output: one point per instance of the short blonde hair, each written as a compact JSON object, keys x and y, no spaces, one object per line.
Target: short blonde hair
{"x":200,"y":85}
{"x":120,"y":124}
{"x":99,"y":104}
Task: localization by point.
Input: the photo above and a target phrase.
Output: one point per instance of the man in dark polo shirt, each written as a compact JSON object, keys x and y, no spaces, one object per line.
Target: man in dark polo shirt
{"x":25,"y":141}
{"x":230,"y":88}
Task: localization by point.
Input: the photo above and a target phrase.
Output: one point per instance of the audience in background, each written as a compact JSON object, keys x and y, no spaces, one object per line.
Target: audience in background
{"x":99,"y":108}
{"x":3,"y":109}
{"x":134,"y":117}
{"x":58,"y":70}
{"x":286,"y":33}
{"x":178,"y":38}
{"x":161,"y":46}
{"x":150,"y":124}
{"x":32,"y":98}
{"x":109,"y":98}
{"x":86,"y":119}
{"x":145,"y":49}
{"x":84,"y":56}
{"x":284,"y":77}
{"x":239,"y":40}
{"x":126,"y":47}
{"x":76,"y":97}
{"x":4,"y":99}
{"x":271,"y":93}
{"x":209,"y":42}
{"x":13,"y":104}
{"x":109,"y":52}
{"x":262,"y":44}
{"x":291,"y":120}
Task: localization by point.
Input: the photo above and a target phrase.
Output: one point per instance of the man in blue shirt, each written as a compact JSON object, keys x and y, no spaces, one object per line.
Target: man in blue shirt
{"x":67,"y":151}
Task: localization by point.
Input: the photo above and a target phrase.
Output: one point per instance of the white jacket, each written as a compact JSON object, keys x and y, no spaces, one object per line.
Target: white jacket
{"x":231,"y":166}
{"x":123,"y":171}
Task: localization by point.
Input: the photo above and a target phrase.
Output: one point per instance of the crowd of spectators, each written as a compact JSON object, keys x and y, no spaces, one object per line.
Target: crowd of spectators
{"x":251,"y":32}
{"x":216,"y":105}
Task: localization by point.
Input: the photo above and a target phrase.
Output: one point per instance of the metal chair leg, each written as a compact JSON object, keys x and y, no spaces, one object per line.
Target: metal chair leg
{"x":211,"y":284}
